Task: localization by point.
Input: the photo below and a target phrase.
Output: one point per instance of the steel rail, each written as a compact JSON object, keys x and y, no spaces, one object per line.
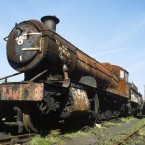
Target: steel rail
{"x":125,"y":138}
{"x":16,"y":139}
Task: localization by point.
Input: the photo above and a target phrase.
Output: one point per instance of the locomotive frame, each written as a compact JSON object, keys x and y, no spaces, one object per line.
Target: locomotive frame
{"x":60,"y":81}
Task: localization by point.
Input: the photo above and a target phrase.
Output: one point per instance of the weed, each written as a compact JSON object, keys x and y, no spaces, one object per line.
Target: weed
{"x":98,"y":133}
{"x":37,"y":140}
{"x":78,"y":133}
{"x":52,"y":138}
{"x":127,"y":119}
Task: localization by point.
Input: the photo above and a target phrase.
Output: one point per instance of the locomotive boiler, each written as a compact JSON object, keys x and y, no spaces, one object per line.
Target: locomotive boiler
{"x":60,"y":80}
{"x":34,"y":46}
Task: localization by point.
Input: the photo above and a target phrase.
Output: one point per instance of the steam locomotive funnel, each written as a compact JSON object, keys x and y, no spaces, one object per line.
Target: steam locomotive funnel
{"x":50,"y":22}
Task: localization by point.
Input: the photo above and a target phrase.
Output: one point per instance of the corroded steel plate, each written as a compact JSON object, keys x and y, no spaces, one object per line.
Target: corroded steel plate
{"x":22,"y":91}
{"x":81,"y":102}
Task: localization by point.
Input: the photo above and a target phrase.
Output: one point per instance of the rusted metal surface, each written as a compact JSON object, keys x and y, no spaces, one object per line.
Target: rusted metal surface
{"x":80,"y":99}
{"x":28,"y":123}
{"x":24,"y":45}
{"x":20,"y":91}
{"x":102,"y":73}
{"x":123,"y":83}
{"x":20,"y":55}
{"x":55,"y":51}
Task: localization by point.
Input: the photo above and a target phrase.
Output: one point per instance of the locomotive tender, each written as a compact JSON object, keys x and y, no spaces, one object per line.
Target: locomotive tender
{"x":60,"y":80}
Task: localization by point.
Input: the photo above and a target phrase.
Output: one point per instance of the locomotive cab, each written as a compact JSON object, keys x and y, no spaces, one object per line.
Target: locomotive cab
{"x":123,"y":80}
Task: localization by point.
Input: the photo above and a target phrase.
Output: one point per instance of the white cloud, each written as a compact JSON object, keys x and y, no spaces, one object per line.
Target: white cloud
{"x":112,"y":51}
{"x":124,"y":33}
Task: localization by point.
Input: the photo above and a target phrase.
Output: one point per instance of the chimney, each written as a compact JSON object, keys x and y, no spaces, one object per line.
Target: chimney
{"x":50,"y":22}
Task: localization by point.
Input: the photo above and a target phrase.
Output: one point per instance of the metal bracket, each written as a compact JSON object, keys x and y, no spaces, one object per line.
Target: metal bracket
{"x":19,"y":119}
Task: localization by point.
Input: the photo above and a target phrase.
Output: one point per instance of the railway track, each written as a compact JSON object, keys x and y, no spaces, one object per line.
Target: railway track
{"x":118,"y":131}
{"x":18,"y":139}
{"x":115,"y":132}
{"x":128,"y":135}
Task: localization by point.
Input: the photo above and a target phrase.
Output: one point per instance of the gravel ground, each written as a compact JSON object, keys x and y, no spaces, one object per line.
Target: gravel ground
{"x":101,"y":134}
{"x":137,"y":139}
{"x":104,"y":133}
{"x":115,"y":130}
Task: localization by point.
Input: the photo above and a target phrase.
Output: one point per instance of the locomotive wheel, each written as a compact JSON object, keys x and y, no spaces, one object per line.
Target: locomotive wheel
{"x":96,"y":109}
{"x":108,"y":115}
{"x":28,"y":123}
{"x":116,"y":114}
{"x":34,"y":120}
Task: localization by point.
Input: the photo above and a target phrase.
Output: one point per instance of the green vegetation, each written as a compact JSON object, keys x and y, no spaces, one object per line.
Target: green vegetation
{"x":97,"y":132}
{"x":128,"y":130}
{"x":142,"y":132}
{"x":127,"y":119}
{"x":37,"y":140}
{"x":75,"y":134}
{"x":138,"y":139}
{"x":51,"y":139}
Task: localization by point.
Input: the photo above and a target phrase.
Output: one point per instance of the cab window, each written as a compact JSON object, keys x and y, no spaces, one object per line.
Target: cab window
{"x":126,"y":77}
{"x":121,"y":74}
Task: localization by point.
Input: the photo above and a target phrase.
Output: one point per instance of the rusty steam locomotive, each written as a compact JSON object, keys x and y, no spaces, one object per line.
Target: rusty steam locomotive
{"x":60,"y":80}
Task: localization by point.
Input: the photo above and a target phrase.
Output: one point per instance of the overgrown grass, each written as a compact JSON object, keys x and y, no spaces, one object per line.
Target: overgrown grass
{"x":127,"y":119}
{"x":51,"y":139}
{"x":114,"y":123}
{"x":37,"y":140}
{"x":98,"y":133}
{"x":74,"y":134}
{"x":128,"y":130}
{"x":139,"y":138}
{"x":109,"y":124}
{"x":142,"y":132}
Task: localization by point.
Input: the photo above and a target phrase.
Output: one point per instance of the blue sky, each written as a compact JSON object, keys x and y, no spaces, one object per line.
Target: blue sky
{"x":108,"y":30}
